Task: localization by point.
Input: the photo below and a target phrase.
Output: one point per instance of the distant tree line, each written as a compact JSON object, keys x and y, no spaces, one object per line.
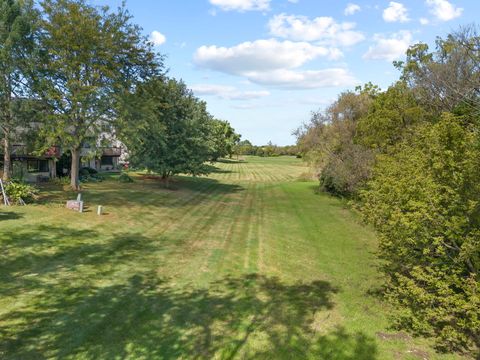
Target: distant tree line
{"x":410,"y":158}
{"x":70,"y":71}
{"x":245,"y":147}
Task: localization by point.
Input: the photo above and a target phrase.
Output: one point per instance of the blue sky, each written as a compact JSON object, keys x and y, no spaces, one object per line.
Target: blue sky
{"x":264,"y":65}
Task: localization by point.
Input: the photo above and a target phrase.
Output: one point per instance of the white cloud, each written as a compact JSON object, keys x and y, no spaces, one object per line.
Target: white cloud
{"x":242,"y":5}
{"x":157,"y":38}
{"x":444,"y":10}
{"x":322,"y":29}
{"x":395,"y":12}
{"x":351,"y":9}
{"x":424,"y":21}
{"x":227,"y":92}
{"x":389,"y":48}
{"x":309,"y":79}
{"x":293,"y":1}
{"x":260,"y":55}
{"x":272,"y":63}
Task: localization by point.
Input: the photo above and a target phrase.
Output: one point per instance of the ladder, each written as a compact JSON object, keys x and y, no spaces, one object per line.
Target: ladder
{"x":6,"y":202}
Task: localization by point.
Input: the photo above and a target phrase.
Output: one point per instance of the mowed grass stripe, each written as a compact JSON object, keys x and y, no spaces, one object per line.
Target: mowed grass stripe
{"x":191,"y":235}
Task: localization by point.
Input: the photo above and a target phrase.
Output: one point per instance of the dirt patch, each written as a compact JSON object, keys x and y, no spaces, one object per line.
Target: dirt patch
{"x":393,"y":336}
{"x":419,"y":354}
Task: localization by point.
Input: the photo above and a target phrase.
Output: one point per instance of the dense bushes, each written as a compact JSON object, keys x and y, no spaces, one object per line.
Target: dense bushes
{"x":91,"y":177}
{"x":329,"y":143}
{"x":88,"y":171}
{"x":346,"y":172}
{"x":424,"y":202}
{"x":411,"y":156}
{"x":17,"y":192}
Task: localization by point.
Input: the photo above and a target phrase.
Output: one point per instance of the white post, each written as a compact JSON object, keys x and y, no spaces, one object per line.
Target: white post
{"x":99,"y":210}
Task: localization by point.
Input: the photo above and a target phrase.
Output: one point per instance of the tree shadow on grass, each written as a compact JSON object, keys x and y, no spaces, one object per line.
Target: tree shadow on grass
{"x":9,"y":215}
{"x":151,"y":192}
{"x":29,"y":254}
{"x":251,"y":316}
{"x":230,"y":161}
{"x":216,"y":170}
{"x":140,"y":192}
{"x":79,"y":306}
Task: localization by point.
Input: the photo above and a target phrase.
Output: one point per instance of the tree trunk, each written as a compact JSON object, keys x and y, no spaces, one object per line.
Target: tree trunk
{"x":7,"y":161}
{"x":75,"y":169}
{"x":166,"y":179}
{"x":52,"y":163}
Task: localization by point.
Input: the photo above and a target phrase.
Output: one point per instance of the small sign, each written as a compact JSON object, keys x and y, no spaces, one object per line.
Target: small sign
{"x":75,"y":205}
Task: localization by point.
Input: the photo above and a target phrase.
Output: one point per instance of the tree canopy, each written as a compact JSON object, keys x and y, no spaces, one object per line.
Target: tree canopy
{"x":91,"y":56}
{"x":169,"y":131}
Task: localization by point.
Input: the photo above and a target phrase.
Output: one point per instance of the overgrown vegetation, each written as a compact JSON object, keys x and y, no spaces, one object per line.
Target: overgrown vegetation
{"x":18,"y":192}
{"x":410,"y":155}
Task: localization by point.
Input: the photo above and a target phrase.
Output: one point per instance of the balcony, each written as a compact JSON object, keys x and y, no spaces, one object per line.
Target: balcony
{"x":22,"y":150}
{"x":111,"y":151}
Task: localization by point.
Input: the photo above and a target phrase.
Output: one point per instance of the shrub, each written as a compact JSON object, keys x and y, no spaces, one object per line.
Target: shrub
{"x":91,"y":178}
{"x":64,"y":180}
{"x":91,"y":171}
{"x":17,"y":191}
{"x":84,"y":172}
{"x":124,"y":178}
{"x":424,"y":202}
{"x":347,"y":170}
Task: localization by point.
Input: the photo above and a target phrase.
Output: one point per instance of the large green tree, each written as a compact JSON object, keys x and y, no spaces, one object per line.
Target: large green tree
{"x":166,"y":129}
{"x":244,"y":147}
{"x":91,"y":57}
{"x":223,"y":139}
{"x":390,"y":117}
{"x":17,"y":44}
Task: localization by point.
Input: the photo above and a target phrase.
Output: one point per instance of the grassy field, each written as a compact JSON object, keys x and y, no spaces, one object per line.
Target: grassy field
{"x":247,"y":263}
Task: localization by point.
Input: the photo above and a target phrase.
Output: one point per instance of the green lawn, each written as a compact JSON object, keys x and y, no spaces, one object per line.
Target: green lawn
{"x":247,"y":263}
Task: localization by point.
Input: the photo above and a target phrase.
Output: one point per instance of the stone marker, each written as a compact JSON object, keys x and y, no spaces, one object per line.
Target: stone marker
{"x":79,"y":197}
{"x":99,"y":210}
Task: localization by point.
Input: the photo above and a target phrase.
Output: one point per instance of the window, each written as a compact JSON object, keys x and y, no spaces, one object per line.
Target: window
{"x":34,"y":166}
{"x":106,"y":160}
